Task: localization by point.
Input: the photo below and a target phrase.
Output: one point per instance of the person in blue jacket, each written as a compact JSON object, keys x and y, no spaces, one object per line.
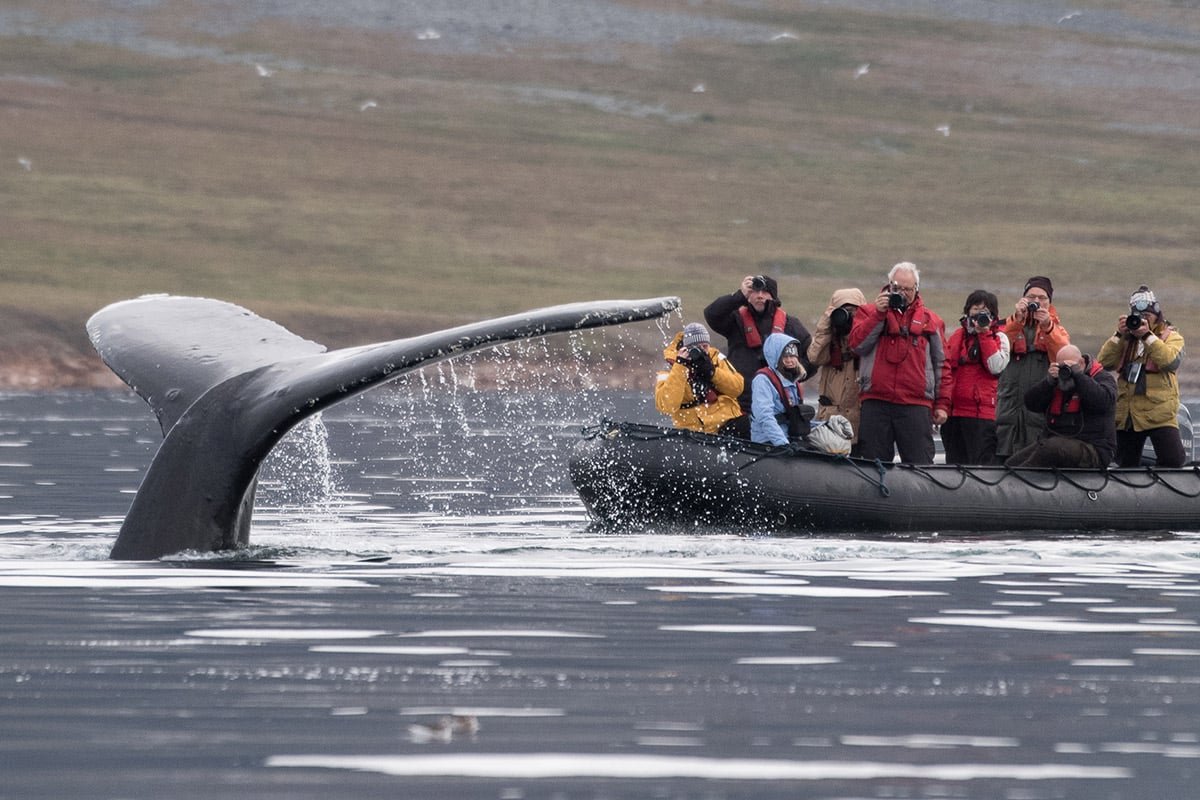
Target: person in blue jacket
{"x":777,"y":410}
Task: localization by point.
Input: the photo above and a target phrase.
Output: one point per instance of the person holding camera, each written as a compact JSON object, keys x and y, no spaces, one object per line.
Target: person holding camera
{"x":700,"y":387}
{"x":746,"y":318}
{"x":901,"y":347}
{"x":977,"y":352}
{"x":836,"y":363}
{"x":1145,"y":352}
{"x":1036,"y":336}
{"x":778,"y":415}
{"x":1077,"y":397}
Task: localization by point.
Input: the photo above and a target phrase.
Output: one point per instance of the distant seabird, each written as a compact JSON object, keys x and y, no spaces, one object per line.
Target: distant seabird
{"x":699,"y":88}
{"x":368,"y":104}
{"x":862,"y":70}
{"x":785,"y":35}
{"x":263,"y":72}
{"x":428,"y":35}
{"x":1070,"y":16}
{"x":25,"y":163}
{"x":944,"y":130}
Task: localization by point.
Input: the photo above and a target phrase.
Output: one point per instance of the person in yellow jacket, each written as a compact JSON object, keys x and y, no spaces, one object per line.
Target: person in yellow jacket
{"x":1145,"y":352}
{"x":830,"y":351}
{"x":700,"y":387}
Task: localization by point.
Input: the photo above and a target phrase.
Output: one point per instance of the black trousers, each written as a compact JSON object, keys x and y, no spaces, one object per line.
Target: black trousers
{"x":1168,"y":447}
{"x":887,"y":427}
{"x":969,"y":441}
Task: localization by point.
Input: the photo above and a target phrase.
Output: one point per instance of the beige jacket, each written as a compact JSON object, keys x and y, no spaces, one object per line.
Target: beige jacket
{"x":838,"y":384}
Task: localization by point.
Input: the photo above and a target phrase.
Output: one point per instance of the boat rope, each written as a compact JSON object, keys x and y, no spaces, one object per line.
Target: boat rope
{"x":1041,"y":479}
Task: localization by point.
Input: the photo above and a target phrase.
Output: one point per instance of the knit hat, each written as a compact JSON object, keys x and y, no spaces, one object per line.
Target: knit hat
{"x":694,"y":333}
{"x":1040,"y":282}
{"x":790,"y":349}
{"x":1144,"y":300}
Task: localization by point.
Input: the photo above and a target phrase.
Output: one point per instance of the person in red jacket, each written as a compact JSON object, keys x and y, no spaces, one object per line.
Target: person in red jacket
{"x":902,"y":353}
{"x":977,"y":352}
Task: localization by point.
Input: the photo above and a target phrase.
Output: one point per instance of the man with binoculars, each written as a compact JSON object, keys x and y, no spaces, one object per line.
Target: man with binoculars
{"x":1145,"y":352}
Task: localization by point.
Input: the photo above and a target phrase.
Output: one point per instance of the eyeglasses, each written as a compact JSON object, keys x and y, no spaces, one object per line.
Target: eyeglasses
{"x":904,"y":289}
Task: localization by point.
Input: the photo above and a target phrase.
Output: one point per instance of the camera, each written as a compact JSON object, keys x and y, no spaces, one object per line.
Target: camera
{"x":1032,"y":307}
{"x":982,"y":319}
{"x":697,"y":362}
{"x":841,"y":319}
{"x":1064,"y":372}
{"x":896,"y":300}
{"x":758,"y":283}
{"x":1134,"y":321}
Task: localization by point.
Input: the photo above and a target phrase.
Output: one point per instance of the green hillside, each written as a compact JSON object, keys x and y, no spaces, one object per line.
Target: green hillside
{"x":384,"y":179}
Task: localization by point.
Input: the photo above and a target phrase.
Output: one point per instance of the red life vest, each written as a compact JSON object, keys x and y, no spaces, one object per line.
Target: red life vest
{"x":1058,"y":408}
{"x":750,"y":327}
{"x":778,"y":384}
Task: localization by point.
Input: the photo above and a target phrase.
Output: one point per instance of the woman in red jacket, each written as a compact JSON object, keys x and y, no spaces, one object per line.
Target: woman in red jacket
{"x":977,"y":352}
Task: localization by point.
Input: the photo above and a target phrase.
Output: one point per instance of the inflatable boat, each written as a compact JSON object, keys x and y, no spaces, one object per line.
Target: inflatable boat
{"x":636,"y":477}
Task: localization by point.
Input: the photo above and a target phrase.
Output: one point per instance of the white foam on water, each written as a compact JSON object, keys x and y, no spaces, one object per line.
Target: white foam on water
{"x":739,"y":628}
{"x":636,"y":766}
{"x":924,"y":741}
{"x":797,"y":591}
{"x":523,"y":633}
{"x":789,"y":661}
{"x":389,"y":650}
{"x":1055,"y":624}
{"x":281,"y":634}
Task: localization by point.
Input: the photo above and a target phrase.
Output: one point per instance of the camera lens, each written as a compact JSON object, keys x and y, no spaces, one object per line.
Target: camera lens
{"x":982,"y":319}
{"x":1033,"y":307}
{"x":758,"y":283}
{"x":1134,"y":321}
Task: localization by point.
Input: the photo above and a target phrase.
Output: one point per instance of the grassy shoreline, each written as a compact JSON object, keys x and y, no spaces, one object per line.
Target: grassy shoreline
{"x":485,"y":182}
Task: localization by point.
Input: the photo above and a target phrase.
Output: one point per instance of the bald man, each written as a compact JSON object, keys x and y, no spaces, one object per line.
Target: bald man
{"x":1078,"y":398}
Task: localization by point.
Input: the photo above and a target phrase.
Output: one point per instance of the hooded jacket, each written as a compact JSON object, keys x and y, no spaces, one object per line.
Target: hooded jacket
{"x":723,"y":317}
{"x":1152,"y":399}
{"x":970,"y":386}
{"x":1032,"y":351}
{"x":837,"y":365}
{"x":903,"y":353}
{"x":673,"y":393}
{"x":768,"y":414}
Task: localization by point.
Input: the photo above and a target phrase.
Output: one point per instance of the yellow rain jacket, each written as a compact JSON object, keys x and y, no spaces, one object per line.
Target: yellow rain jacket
{"x":673,"y":394}
{"x":1152,"y":399}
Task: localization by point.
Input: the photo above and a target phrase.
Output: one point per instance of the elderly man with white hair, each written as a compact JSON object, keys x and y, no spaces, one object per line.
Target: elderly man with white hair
{"x":902,"y":358}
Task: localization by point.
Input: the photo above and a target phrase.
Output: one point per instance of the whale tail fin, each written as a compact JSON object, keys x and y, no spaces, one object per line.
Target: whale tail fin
{"x":227,"y":385}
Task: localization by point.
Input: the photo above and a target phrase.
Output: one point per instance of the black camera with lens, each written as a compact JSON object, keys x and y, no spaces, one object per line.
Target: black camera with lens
{"x":1032,"y":307}
{"x":697,"y":362}
{"x":1134,"y":321}
{"x":1064,"y":372}
{"x":896,"y":301}
{"x":758,"y":283}
{"x":841,"y":319}
{"x":982,"y":319}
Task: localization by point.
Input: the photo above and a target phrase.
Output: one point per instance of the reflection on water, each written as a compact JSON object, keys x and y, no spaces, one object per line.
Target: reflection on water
{"x":424,"y":612}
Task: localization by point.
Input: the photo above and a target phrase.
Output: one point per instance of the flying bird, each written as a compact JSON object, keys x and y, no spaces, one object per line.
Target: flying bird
{"x":785,"y":35}
{"x":428,"y":35}
{"x":25,"y":163}
{"x":1070,"y":16}
{"x":699,"y":88}
{"x":368,"y":104}
{"x":862,"y":70}
{"x":944,"y":130}
{"x":262,"y":71}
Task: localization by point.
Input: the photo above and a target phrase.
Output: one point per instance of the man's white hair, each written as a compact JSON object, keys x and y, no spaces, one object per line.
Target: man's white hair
{"x":905,"y":266}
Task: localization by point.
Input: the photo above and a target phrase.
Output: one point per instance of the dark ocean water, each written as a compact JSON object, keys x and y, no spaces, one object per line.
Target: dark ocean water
{"x":424,"y":613}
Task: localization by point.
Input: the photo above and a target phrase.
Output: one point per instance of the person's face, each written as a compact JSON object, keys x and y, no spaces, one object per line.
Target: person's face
{"x":790,"y":359}
{"x":1038,"y":295}
{"x":905,"y":284}
{"x":1070,"y":359}
{"x":978,"y":308}
{"x":758,"y":298}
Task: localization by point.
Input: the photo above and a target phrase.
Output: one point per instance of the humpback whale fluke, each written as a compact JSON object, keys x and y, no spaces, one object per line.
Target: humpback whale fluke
{"x":227,"y":385}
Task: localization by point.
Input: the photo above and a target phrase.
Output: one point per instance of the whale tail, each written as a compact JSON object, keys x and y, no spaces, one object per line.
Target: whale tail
{"x":226,"y":385}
